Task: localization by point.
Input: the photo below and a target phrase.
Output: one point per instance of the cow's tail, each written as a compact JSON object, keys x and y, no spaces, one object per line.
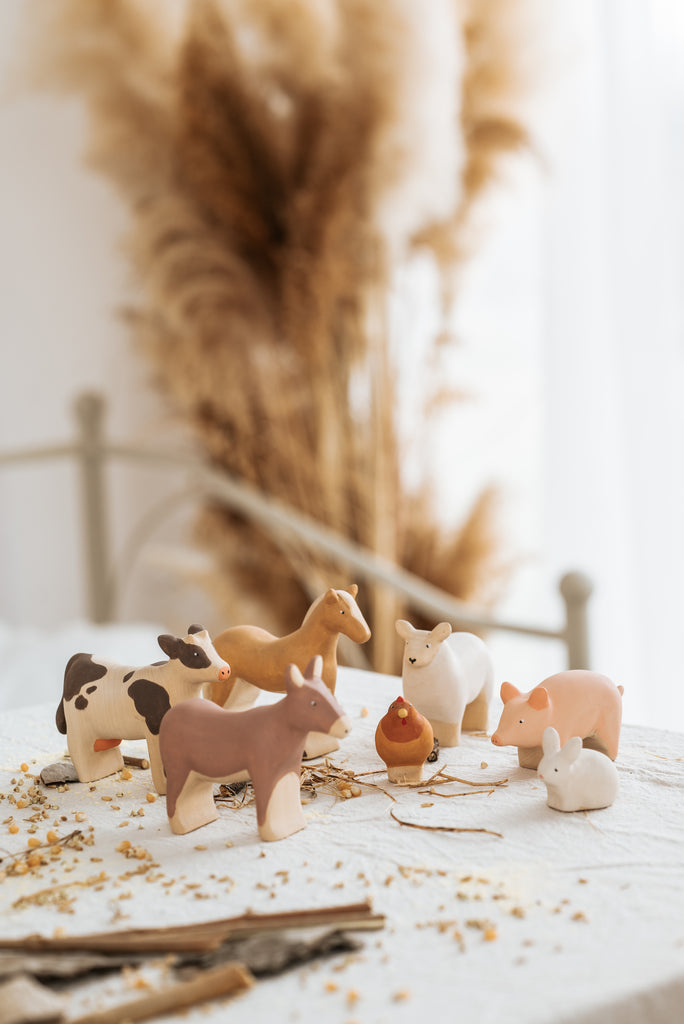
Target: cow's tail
{"x":60,"y":717}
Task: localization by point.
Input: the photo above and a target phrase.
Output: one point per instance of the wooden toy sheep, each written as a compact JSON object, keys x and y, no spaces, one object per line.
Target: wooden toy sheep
{"x":576,"y":779}
{"x":448,"y":677}
{"x":104,"y":702}
{"x":576,"y":703}
{"x":202,"y":743}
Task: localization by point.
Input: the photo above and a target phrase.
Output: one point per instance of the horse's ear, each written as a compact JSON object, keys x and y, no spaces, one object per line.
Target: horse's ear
{"x":330,"y":596}
{"x":294,"y":676}
{"x":314,"y":669}
{"x":353,"y":589}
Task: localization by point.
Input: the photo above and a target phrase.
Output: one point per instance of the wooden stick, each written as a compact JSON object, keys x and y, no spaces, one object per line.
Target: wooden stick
{"x":206,"y":935}
{"x":135,"y":762}
{"x":443,"y":828}
{"x":205,"y":985}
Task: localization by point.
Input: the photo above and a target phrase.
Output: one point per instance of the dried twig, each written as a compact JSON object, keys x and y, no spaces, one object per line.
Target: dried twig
{"x":448,"y":796}
{"x":443,"y":828}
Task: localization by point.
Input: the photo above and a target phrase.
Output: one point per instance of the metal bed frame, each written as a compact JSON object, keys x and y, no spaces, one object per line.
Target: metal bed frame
{"x":92,"y":452}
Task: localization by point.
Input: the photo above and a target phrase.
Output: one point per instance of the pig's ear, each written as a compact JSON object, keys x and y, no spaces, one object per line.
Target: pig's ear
{"x":539,"y":698}
{"x":404,"y":629}
{"x":439,"y":634}
{"x":508,"y":692}
{"x":572,"y":750}
{"x":550,"y":741}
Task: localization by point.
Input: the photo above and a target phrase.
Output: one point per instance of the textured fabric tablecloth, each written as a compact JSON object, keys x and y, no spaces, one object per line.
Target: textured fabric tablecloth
{"x":568,"y":917}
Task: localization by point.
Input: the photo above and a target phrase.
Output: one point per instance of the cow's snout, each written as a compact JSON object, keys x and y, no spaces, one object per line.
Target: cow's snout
{"x":224,"y":673}
{"x":496,"y":740}
{"x":341,"y":728}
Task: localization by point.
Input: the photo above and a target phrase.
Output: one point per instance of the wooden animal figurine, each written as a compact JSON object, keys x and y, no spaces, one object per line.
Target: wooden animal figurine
{"x":576,"y":703}
{"x":403,"y":739}
{"x":448,"y":677}
{"x":258,"y":659}
{"x":104,"y":702}
{"x":576,"y":779}
{"x":202,"y":743}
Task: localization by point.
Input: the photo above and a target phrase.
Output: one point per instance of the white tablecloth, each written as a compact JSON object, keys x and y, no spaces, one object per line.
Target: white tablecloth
{"x":574,"y":917}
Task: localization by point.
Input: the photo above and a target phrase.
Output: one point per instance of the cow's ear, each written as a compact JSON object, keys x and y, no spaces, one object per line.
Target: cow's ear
{"x":169,"y":645}
{"x":508,"y":692}
{"x":195,"y":629}
{"x":539,"y":698}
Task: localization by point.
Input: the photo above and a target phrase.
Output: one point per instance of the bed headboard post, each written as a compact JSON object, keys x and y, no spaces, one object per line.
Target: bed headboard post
{"x":89,"y":409}
{"x":576,"y":589}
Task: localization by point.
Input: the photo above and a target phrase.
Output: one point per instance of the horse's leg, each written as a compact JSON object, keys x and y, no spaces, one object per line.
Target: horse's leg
{"x":242,"y":696}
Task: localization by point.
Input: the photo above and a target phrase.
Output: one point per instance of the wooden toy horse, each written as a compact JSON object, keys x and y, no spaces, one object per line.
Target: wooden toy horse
{"x":202,"y":744}
{"x":104,"y":702}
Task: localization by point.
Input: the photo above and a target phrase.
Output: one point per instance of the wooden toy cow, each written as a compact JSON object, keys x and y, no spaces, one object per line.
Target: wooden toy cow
{"x":202,"y":743}
{"x":104,"y":702}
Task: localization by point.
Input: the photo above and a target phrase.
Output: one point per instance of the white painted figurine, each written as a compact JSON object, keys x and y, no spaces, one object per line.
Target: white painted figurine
{"x":576,"y":778}
{"x":104,"y":702}
{"x":448,"y":677}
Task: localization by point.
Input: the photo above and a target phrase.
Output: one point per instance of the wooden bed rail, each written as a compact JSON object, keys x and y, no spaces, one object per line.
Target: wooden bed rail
{"x":92,"y":451}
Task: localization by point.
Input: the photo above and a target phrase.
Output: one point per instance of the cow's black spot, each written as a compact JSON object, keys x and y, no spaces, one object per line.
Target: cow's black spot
{"x":192,"y":655}
{"x":81,"y":670}
{"x":128,"y":675}
{"x":91,"y":689}
{"x":151,"y":701}
{"x":81,"y":702}
{"x":195,"y":629}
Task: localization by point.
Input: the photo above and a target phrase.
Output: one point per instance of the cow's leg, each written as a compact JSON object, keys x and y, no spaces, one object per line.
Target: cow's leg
{"x":90,"y":763}
{"x":283,"y":813}
{"x":194,"y":805}
{"x":156,"y":766}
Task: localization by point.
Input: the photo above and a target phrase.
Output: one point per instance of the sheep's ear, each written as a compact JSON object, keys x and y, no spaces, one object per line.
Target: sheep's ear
{"x":169,"y":644}
{"x":404,"y":629}
{"x":315,"y":668}
{"x":508,"y":692}
{"x":572,"y":749}
{"x":441,"y":631}
{"x":550,"y":741}
{"x":293,"y":676}
{"x":539,"y":698}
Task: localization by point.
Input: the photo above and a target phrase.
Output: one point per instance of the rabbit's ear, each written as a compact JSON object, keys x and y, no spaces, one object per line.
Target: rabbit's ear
{"x":550,"y":741}
{"x":572,"y":750}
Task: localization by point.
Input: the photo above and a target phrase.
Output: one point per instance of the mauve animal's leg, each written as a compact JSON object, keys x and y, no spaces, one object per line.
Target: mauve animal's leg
{"x":279,"y":809}
{"x":194,"y":805}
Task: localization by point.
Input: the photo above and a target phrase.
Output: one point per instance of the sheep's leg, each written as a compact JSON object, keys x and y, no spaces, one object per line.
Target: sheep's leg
{"x":448,"y":733}
{"x":319,"y":743}
{"x":476,"y":714}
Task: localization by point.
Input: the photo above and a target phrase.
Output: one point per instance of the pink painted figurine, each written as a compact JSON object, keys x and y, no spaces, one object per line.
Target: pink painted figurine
{"x":202,"y":743}
{"x":575,"y":703}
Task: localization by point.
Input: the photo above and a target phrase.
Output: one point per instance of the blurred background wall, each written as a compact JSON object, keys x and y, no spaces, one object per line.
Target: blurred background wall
{"x":569,"y":321}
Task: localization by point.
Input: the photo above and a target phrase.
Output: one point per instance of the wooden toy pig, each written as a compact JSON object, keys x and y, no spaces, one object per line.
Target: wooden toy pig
{"x":202,"y":743}
{"x":575,"y":703}
{"x":104,"y":702}
{"x":448,"y":677}
{"x":403,"y":739}
{"x":258,"y":659}
{"x":576,"y":779}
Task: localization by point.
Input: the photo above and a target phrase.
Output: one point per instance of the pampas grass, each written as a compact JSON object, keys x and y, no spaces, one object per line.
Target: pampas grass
{"x":256,"y":146}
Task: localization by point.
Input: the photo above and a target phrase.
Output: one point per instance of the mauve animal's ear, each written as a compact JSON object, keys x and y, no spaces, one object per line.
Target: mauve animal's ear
{"x":404,"y":629}
{"x":315,"y":667}
{"x":572,"y":749}
{"x":169,"y":645}
{"x":352,"y":589}
{"x":293,"y":676}
{"x":441,"y":631}
{"x":195,"y":629}
{"x":539,"y":698}
{"x":550,"y":741}
{"x":508,"y":692}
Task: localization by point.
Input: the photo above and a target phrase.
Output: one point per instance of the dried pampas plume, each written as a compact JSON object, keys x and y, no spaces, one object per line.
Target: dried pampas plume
{"x":257,"y":146}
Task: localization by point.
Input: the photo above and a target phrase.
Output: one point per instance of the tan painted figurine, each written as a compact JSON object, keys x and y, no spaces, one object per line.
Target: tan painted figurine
{"x":403,"y":739}
{"x":104,"y":702}
{"x":258,"y":659}
{"x":202,"y":744}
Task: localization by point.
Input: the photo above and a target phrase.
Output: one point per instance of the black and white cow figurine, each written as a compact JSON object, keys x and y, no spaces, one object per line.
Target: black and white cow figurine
{"x":104,"y":702}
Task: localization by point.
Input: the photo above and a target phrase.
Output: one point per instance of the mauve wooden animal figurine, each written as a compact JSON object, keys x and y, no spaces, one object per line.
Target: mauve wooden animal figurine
{"x":104,"y":702}
{"x":403,"y":739}
{"x":576,"y":703}
{"x":448,"y":677}
{"x":258,"y":659}
{"x":576,"y":779}
{"x":202,"y":743}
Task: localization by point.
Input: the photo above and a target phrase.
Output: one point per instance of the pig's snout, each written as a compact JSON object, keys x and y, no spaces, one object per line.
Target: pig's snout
{"x":496,"y":740}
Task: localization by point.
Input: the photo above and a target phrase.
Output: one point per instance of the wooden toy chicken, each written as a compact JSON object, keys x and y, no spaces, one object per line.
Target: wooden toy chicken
{"x":403,"y":739}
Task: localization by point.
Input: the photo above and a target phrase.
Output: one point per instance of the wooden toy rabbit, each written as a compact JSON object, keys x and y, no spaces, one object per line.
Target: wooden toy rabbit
{"x":576,"y":778}
{"x":448,"y":677}
{"x":202,"y":743}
